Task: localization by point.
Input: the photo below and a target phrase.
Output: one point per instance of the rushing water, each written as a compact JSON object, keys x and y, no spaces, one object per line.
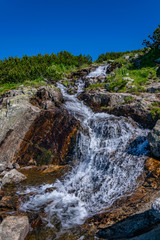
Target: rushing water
{"x":105,"y":171}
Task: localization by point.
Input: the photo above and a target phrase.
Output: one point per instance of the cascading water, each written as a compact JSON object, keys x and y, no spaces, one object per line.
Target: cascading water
{"x":100,"y":71}
{"x":105,"y":170}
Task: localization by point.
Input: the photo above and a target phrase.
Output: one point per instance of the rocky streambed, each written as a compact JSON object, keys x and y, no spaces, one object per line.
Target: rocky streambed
{"x":69,"y":171}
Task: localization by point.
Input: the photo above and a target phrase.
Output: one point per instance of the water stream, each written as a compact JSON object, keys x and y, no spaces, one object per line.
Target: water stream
{"x":105,"y":170}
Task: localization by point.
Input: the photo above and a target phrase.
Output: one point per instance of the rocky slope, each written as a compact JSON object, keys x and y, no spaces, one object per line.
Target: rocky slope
{"x":36,"y":130}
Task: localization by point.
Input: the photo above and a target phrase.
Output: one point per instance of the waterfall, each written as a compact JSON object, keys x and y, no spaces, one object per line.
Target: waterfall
{"x":105,"y":169}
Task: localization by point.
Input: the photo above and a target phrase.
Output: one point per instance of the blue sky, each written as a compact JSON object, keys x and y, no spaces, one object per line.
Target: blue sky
{"x":87,"y":26}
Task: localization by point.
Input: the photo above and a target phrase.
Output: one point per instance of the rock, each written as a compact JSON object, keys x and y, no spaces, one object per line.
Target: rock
{"x":13,"y":176}
{"x":82,"y":72}
{"x":156,"y":208}
{"x":154,"y":87}
{"x":34,"y":114}
{"x":154,"y":140}
{"x":15,"y":121}
{"x":36,"y":222}
{"x":136,"y":56}
{"x":16,"y":165}
{"x":127,"y":57}
{"x":128,"y":79}
{"x":115,"y":103}
{"x":9,"y":202}
{"x":112,"y":66}
{"x":50,"y":96}
{"x":10,"y":166}
{"x":14,"y":228}
{"x":2,"y":167}
{"x":49,"y":140}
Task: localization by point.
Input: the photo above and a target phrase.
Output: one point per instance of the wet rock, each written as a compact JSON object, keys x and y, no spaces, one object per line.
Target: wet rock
{"x":130,"y":227}
{"x":9,"y":202}
{"x":14,"y":228}
{"x":13,"y":176}
{"x":156,"y":208}
{"x":36,"y":221}
{"x":49,"y":139}
{"x":154,"y":139}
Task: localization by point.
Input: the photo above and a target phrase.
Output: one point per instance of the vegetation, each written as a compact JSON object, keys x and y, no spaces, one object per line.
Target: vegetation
{"x":129,"y":99}
{"x":155,"y":109}
{"x":114,"y":55}
{"x":15,"y":71}
{"x":154,"y":41}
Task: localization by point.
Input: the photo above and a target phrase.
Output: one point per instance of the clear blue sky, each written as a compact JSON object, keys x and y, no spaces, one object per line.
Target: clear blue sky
{"x":87,"y":26}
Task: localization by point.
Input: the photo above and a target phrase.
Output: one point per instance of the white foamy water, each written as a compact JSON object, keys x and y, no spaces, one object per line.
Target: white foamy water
{"x":105,"y":171}
{"x":100,"y":71}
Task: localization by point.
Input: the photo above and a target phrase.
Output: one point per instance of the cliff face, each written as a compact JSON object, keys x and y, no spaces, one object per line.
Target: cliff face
{"x":35,"y":128}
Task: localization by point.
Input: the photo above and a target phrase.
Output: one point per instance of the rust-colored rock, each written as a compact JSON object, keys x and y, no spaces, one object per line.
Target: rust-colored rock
{"x":49,"y":138}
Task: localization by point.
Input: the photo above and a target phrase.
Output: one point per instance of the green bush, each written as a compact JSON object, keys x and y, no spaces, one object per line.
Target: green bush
{"x":19,"y":70}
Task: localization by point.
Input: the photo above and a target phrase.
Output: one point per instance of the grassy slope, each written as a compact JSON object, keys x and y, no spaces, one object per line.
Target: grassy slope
{"x":142,"y":70}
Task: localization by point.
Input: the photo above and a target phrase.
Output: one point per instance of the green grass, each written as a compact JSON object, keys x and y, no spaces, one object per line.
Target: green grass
{"x":155,"y":109}
{"x":129,"y":99}
{"x":10,"y":86}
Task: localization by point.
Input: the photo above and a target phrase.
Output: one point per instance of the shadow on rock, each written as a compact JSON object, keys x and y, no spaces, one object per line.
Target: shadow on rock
{"x":138,"y":227}
{"x":139,"y":147}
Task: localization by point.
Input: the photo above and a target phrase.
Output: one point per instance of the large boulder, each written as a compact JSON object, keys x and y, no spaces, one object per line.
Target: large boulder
{"x":34,"y":127}
{"x":16,"y":117}
{"x":13,"y":176}
{"x":14,"y":228}
{"x":154,"y":139}
{"x":122,"y":104}
{"x":49,"y":139}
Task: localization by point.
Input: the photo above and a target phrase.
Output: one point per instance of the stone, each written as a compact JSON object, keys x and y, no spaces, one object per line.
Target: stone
{"x":36,"y":222}
{"x":2,"y":167}
{"x":114,"y":103}
{"x":14,"y":228}
{"x":127,"y":57}
{"x":128,"y":79}
{"x":16,"y":165}
{"x":49,"y":140}
{"x":154,"y":87}
{"x":13,"y":176}
{"x":154,"y":139}
{"x":9,"y":202}
{"x":156,"y":208}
